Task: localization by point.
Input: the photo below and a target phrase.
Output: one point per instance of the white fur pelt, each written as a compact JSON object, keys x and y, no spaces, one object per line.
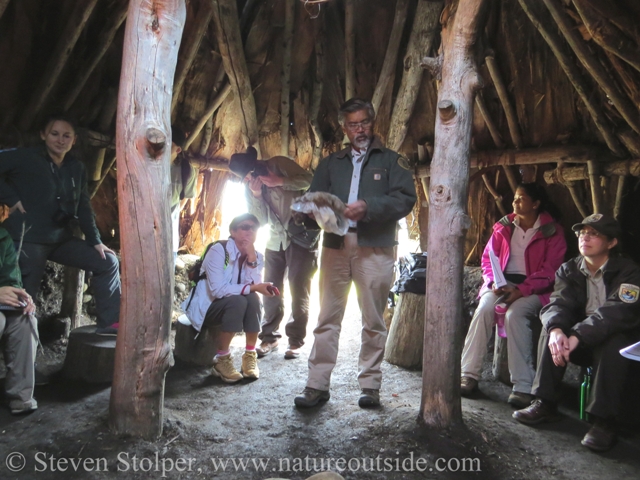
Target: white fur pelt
{"x":327,"y":209}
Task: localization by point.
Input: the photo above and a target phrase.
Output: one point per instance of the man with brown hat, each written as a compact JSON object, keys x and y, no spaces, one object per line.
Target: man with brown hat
{"x":594,"y":312}
{"x":272,"y":186}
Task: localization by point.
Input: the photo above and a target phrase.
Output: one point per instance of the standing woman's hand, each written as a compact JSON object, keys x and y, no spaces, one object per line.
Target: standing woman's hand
{"x":103,"y":249}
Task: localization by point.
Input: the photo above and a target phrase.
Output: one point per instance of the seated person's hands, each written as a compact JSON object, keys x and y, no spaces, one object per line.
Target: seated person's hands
{"x":512,"y":294}
{"x":267,"y":289}
{"x":103,"y":250}
{"x":561,"y":346}
{"x":17,"y":297}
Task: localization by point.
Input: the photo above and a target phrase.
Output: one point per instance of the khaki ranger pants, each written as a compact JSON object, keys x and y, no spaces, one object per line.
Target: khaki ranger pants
{"x":371,"y":270}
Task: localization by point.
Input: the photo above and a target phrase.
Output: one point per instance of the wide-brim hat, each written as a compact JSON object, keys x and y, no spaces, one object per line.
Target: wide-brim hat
{"x":604,"y":224}
{"x":243,"y":163}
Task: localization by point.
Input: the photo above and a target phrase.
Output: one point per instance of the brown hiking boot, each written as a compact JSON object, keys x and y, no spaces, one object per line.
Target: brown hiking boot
{"x":540,"y":411}
{"x":370,"y":398}
{"x":468,"y":385}
{"x":310,"y":397}
{"x":249,"y":367}
{"x":520,"y":399}
{"x":601,"y":436}
{"x":223,"y":368}
{"x":266,"y":348}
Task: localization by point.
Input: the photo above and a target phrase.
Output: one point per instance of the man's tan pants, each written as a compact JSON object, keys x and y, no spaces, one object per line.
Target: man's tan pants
{"x":371,"y":270}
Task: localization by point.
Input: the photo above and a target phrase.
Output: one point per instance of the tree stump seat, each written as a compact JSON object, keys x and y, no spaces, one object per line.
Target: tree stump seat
{"x":406,"y":335}
{"x":194,"y":348}
{"x":90,"y":357}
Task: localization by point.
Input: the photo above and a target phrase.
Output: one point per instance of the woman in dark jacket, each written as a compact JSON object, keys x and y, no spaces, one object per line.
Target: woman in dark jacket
{"x":46,"y":190}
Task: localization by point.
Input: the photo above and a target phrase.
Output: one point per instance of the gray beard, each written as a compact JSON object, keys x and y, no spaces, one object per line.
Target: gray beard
{"x":363,"y":145}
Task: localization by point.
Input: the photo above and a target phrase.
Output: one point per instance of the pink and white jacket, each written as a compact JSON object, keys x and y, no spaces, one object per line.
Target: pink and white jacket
{"x":543,"y":256}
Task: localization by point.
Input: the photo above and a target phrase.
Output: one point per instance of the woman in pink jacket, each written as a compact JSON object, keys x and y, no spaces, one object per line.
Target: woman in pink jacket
{"x":530,"y":247}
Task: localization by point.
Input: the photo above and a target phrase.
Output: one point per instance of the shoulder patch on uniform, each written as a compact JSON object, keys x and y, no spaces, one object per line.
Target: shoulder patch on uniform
{"x":629,"y":293}
{"x":404,"y":163}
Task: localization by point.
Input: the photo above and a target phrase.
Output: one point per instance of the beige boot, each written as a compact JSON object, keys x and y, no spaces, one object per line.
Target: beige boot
{"x":223,"y":368}
{"x":250,"y":365}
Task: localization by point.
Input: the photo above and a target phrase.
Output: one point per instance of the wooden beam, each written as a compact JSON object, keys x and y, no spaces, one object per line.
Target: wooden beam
{"x":503,"y":95}
{"x":225,"y":16}
{"x":57,"y":60}
{"x":619,"y":194}
{"x":350,"y":50}
{"x":316,"y":95}
{"x":618,"y":16}
{"x":607,"y":35}
{"x":391,"y":56}
{"x":608,"y":169}
{"x":189,"y":47}
{"x":494,"y":193}
{"x":211,"y":108}
{"x":539,"y":16}
{"x":114,"y":20}
{"x":285,"y":75}
{"x":592,"y":65}
{"x":448,"y":221}
{"x":143,"y":351}
{"x":596,"y":191}
{"x":423,"y":33}
{"x":212,"y":163}
{"x":531,"y":156}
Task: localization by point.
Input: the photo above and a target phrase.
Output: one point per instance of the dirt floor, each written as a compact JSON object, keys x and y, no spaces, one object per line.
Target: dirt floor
{"x":210,"y":425}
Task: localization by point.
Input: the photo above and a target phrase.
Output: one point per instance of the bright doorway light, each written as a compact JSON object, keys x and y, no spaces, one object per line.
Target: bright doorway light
{"x":234,"y":203}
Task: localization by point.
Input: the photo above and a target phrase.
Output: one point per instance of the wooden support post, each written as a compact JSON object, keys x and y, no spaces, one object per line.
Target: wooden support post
{"x":448,"y":221}
{"x":72,"y":292}
{"x":114,"y":20}
{"x":189,"y":47}
{"x":143,"y":352}
{"x":404,"y":342}
{"x":391,"y":56}
{"x":225,"y":16}
{"x":596,"y":192}
{"x":496,"y":196}
{"x":94,"y":186}
{"x":57,"y":60}
{"x":576,"y":199}
{"x":608,"y":169}
{"x":619,"y":194}
{"x":285,"y":75}
{"x":316,"y":95}
{"x":423,"y":32}
{"x":590,"y":62}
{"x":207,"y":131}
{"x":503,"y":95}
{"x":607,"y":35}
{"x":350,"y":49}
{"x":540,"y":19}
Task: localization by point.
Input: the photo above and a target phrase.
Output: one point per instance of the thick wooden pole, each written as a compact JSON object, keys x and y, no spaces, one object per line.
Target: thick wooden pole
{"x":596,"y":191}
{"x":448,"y":220}
{"x":316,"y":96}
{"x":57,"y":60}
{"x":503,"y":95}
{"x":113,"y":22}
{"x":581,"y":172}
{"x":350,"y":49}
{"x":285,"y":75}
{"x":190,"y":45}
{"x":540,"y":18}
{"x":421,"y":39}
{"x":225,"y":16}
{"x":391,"y":56}
{"x":143,"y":140}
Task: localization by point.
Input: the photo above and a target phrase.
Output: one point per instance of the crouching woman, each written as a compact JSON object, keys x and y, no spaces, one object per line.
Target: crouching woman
{"x":226,"y":296}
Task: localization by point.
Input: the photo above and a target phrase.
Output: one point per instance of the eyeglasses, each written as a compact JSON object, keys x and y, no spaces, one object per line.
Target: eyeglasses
{"x":588,"y":233}
{"x":355,"y":126}
{"x":247,"y":226}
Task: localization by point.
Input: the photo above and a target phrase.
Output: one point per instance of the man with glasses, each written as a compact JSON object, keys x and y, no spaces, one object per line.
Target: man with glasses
{"x":377,"y":187}
{"x":594,"y":312}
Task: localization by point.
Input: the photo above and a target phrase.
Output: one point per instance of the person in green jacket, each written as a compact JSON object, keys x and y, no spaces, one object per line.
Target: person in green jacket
{"x":46,"y":191}
{"x":18,"y":331}
{"x":377,"y":187}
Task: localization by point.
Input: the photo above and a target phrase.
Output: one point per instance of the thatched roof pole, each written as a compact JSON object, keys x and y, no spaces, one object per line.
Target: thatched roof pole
{"x":189,"y":47}
{"x":285,"y":75}
{"x":113,"y":22}
{"x":57,"y":60}
{"x":581,"y":172}
{"x":425,"y":25}
{"x":541,"y":20}
{"x":225,"y":16}
{"x":143,"y":352}
{"x":593,"y":66}
{"x":607,"y":35}
{"x":489,"y":122}
{"x":316,"y":95}
{"x":448,"y":221}
{"x":391,"y":56}
{"x":350,"y":50}
{"x":214,"y":104}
